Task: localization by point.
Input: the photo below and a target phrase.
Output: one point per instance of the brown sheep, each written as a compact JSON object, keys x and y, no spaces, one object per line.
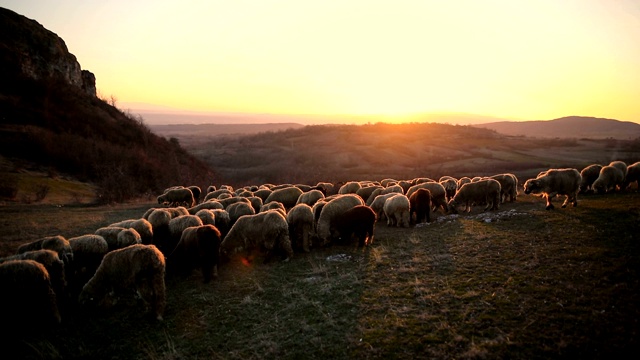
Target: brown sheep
{"x":135,"y":269}
{"x":420,"y":204}
{"x":198,"y":246}
{"x":359,"y":221}
{"x":589,"y":174}
{"x":508,"y":186}
{"x":633,"y":175}
{"x":485,"y":191}
{"x":610,"y":178}
{"x":300,"y":220}
{"x":556,"y":182}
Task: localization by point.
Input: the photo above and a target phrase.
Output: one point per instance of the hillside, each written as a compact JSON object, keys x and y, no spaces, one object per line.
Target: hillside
{"x":51,"y":121}
{"x":576,"y":127}
{"x":376,"y":151}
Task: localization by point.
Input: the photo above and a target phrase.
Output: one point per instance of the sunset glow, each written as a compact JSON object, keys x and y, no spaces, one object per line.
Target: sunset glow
{"x":511,"y":59}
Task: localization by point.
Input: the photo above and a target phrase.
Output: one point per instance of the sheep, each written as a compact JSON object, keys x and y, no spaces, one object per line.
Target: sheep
{"x":609,"y":179}
{"x":232,"y":200}
{"x":28,"y":302}
{"x":620,"y":165}
{"x":287,"y":196}
{"x":508,"y":186}
{"x":209,"y":205}
{"x":274,"y":205}
{"x":438,"y":194}
{"x":633,"y":175}
{"x":216,"y":194}
{"x":377,"y":205}
{"x":142,"y":226}
{"x":238,"y":209}
{"x":159,"y":220}
{"x":256,"y":203}
{"x":263,"y":193}
{"x":263,"y":232}
{"x":450,"y":186}
{"x":366,"y":191}
{"x":300,"y":220}
{"x":397,"y":189}
{"x":196,"y":191}
{"x":198,"y":246}
{"x":421,"y":180}
{"x":119,"y":237}
{"x":556,"y":182}
{"x":223,"y":221}
{"x":331,"y":211}
{"x":373,"y":195}
{"x":485,"y":191}
{"x":397,"y":209}
{"x":589,"y":174}
{"x":310,"y":197}
{"x":207,"y":216}
{"x":137,"y":268}
{"x":327,"y":188}
{"x":88,"y":251}
{"x":176,"y":226}
{"x":463,"y":180}
{"x":175,"y":197}
{"x":360,"y":221}
{"x":350,"y":187}
{"x":56,"y":243}
{"x":54,"y":266}
{"x":388,"y":181}
{"x":420,"y":205}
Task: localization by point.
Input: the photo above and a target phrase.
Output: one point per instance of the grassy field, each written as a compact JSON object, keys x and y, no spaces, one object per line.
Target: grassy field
{"x":519,"y":283}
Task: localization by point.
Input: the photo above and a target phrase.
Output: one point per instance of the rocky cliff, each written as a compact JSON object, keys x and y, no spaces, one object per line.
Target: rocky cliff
{"x":28,"y":49}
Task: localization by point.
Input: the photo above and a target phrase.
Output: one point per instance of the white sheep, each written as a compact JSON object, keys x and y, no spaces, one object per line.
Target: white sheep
{"x":239,"y":209}
{"x":207,"y":216}
{"x":450,"y":185}
{"x":486,"y":191}
{"x":396,"y":189}
{"x":508,"y":186}
{"x":288,"y":196}
{"x":136,"y":269}
{"x":310,"y":197}
{"x":274,"y":205}
{"x":263,"y":232}
{"x":119,"y":237}
{"x":350,"y":187}
{"x":377,"y":191}
{"x":56,"y":243}
{"x":621,"y":165}
{"x":217,"y":193}
{"x":209,"y":204}
{"x":263,"y":193}
{"x":556,"y":182}
{"x":301,"y":222}
{"x":142,"y":226}
{"x":633,"y":175}
{"x":609,"y":179}
{"x":397,"y":210}
{"x":377,"y":205}
{"x":333,"y":209}
{"x":589,"y":174}
{"x":438,"y":194}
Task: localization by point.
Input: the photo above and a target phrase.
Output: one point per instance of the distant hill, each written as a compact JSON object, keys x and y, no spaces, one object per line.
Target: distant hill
{"x":180,"y":130}
{"x":52,"y":120}
{"x":568,"y":127}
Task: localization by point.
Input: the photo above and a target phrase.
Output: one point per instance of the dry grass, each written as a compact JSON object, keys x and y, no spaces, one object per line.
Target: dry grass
{"x":534,"y":284}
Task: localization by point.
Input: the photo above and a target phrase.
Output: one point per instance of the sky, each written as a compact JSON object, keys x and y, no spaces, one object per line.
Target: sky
{"x":516,"y":60}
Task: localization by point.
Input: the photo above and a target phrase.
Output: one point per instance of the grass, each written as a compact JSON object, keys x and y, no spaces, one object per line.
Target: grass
{"x":524,"y":283}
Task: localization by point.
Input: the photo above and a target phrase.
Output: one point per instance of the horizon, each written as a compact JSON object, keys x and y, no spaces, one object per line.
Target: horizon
{"x":358,"y":59}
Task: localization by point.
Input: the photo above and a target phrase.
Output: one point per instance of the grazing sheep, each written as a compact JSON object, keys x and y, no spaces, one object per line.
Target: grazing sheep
{"x":176,"y":226}
{"x":421,"y":180}
{"x":508,"y":186}
{"x":388,"y":181}
{"x":420,"y":205}
{"x":134,"y":269}
{"x":142,"y":226}
{"x":377,"y":205}
{"x":56,"y":243}
{"x":196,"y":191}
{"x":256,"y":203}
{"x":216,"y":194}
{"x":54,"y":266}
{"x":633,"y":175}
{"x":396,"y":189}
{"x":232,"y":200}
{"x":331,"y":211}
{"x":463,"y":180}
{"x":609,"y":179}
{"x":28,"y":301}
{"x":438,"y":194}
{"x":556,"y":182}
{"x":159,"y":220}
{"x":207,"y":216}
{"x":397,"y":209}
{"x":238,"y":209}
{"x":88,"y":251}
{"x":263,"y":232}
{"x":263,"y":193}
{"x":485,"y":191}
{"x":175,"y":197}
{"x":300,"y":220}
{"x":198,"y":246}
{"x":450,"y":186}
{"x":119,"y":237}
{"x":373,"y":195}
{"x":366,"y":191}
{"x":620,"y":165}
{"x":288,"y":196}
{"x":327,"y":188}
{"x":359,"y":221}
{"x":589,"y":174}
{"x":223,"y":221}
{"x":274,"y":205}
{"x":209,"y":205}
{"x":310,"y":197}
{"x":350,"y":187}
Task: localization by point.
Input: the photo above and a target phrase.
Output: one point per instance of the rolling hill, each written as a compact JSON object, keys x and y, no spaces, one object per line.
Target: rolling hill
{"x":577,"y":127}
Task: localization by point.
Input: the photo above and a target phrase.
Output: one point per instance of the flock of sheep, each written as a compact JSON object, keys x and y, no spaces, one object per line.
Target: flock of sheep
{"x":133,"y":257}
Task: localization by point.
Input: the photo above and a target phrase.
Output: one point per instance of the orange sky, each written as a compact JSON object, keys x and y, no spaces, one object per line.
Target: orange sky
{"x":528,"y":60}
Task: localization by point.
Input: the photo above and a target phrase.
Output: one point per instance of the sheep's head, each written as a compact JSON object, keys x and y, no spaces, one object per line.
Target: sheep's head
{"x":599,"y":187}
{"x":452,"y":206}
{"x":531,"y":186}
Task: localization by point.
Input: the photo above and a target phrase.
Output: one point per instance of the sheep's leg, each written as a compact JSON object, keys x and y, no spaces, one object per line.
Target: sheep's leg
{"x":550,"y":206}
